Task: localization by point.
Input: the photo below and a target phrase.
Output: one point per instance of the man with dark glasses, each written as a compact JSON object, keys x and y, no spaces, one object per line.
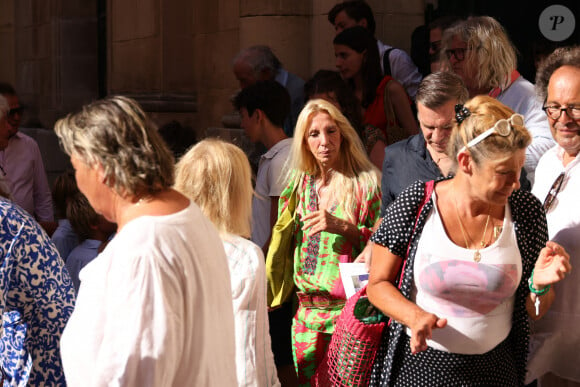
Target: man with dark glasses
{"x":22,"y":165}
{"x":556,"y":337}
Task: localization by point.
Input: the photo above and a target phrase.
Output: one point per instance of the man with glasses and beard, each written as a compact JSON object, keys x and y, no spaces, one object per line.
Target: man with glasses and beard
{"x":556,"y":337}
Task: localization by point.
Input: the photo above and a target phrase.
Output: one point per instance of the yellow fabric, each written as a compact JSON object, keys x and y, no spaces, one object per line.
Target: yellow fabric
{"x":279,"y":261}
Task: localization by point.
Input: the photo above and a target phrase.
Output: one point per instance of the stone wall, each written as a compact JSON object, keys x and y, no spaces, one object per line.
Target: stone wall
{"x":173,"y":56}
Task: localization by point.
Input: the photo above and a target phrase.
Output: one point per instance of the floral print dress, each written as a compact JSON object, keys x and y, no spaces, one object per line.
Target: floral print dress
{"x":316,"y":272}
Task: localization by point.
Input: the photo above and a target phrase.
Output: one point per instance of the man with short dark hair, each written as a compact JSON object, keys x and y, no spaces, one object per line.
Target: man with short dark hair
{"x":21,"y":161}
{"x":423,"y":156}
{"x":258,"y":63}
{"x":264,"y":106}
{"x":394,"y":61}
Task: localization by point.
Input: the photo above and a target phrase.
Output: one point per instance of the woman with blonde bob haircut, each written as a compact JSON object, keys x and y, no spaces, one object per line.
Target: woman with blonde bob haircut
{"x":338,"y":195}
{"x":479,"y":50}
{"x":475,"y":262}
{"x":218,"y":177}
{"x":143,"y":315}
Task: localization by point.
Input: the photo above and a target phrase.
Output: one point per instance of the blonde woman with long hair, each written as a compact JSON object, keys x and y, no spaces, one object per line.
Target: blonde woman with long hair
{"x":337,"y":202}
{"x":217,"y":176}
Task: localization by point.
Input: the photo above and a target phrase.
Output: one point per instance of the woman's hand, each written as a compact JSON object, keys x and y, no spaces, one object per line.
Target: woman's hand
{"x":552,"y":265}
{"x":322,"y":220}
{"x":422,"y":328}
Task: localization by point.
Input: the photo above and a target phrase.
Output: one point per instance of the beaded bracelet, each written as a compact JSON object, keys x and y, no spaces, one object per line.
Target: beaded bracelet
{"x":540,"y":292}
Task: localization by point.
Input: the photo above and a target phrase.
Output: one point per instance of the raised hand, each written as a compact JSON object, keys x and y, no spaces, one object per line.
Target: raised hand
{"x":552,"y":265}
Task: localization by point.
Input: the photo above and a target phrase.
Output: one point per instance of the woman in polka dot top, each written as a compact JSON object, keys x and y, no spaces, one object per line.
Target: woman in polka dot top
{"x":461,"y":314}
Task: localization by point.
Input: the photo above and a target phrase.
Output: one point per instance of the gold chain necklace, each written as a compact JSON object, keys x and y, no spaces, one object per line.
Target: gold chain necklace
{"x":477,"y":254}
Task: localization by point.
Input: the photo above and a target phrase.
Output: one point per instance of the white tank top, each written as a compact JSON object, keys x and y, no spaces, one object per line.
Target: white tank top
{"x":477,"y":299}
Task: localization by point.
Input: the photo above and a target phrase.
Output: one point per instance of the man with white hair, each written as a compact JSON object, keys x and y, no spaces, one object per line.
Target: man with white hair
{"x":258,"y":63}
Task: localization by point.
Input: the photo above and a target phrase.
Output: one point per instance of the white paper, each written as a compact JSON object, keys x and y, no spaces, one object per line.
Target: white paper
{"x":354,"y":276}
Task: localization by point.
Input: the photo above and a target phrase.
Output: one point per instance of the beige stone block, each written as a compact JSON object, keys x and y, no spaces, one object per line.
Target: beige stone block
{"x":28,"y":78}
{"x":213,"y":105}
{"x":134,"y":19}
{"x":24,"y":12}
{"x":215,"y":15}
{"x":397,"y":30}
{"x":77,"y":37}
{"x":206,"y":16}
{"x":7,"y":64}
{"x":322,"y":49}
{"x":45,"y":39}
{"x":288,"y":36}
{"x":229,"y":14}
{"x":135,"y":66}
{"x":77,"y":78}
{"x":178,"y":75}
{"x":76,"y":8}
{"x":177,"y":18}
{"x":25,"y":43}
{"x":321,"y":7}
{"x":213,"y":58}
{"x":42,"y":13}
{"x":7,"y":14}
{"x":399,"y":6}
{"x":279,"y":7}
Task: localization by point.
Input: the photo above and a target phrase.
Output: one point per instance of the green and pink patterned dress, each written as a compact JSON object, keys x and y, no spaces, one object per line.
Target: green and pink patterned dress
{"x":316,"y":273}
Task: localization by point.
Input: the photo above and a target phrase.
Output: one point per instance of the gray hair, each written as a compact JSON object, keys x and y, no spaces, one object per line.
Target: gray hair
{"x":491,"y":52}
{"x":436,"y":89}
{"x":116,"y":134}
{"x":564,"y":56}
{"x":259,"y":58}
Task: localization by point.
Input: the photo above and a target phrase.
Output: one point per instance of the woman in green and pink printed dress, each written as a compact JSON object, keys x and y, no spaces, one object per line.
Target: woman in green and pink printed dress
{"x":338,"y":202}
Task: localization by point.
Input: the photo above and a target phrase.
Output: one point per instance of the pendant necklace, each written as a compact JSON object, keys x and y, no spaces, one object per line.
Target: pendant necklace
{"x":477,"y":254}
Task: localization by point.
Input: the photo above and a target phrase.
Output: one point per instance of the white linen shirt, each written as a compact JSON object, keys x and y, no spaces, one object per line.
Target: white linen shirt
{"x":555,"y":340}
{"x":521,"y":98}
{"x":154,"y":308}
{"x":269,"y":183}
{"x":254,"y":359}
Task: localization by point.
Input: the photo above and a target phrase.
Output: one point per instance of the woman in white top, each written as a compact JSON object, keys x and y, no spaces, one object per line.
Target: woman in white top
{"x":461,"y":315}
{"x":218,"y":177}
{"x":154,"y":308}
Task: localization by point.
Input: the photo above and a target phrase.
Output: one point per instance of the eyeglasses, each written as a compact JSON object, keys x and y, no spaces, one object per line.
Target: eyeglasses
{"x":458,"y":53}
{"x":554,"y":112}
{"x":12,"y":112}
{"x":503,"y":127}
{"x":553,"y":192}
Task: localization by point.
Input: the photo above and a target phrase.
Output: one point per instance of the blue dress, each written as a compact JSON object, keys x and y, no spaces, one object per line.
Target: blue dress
{"x":36,"y":298}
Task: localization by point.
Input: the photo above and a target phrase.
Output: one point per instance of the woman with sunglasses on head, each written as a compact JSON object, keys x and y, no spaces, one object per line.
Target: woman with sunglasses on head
{"x":480,"y":52}
{"x":474,"y":261}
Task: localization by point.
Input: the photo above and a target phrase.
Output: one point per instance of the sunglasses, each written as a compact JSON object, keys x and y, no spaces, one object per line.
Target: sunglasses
{"x":553,"y":192}
{"x":458,"y":53}
{"x":503,"y":127}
